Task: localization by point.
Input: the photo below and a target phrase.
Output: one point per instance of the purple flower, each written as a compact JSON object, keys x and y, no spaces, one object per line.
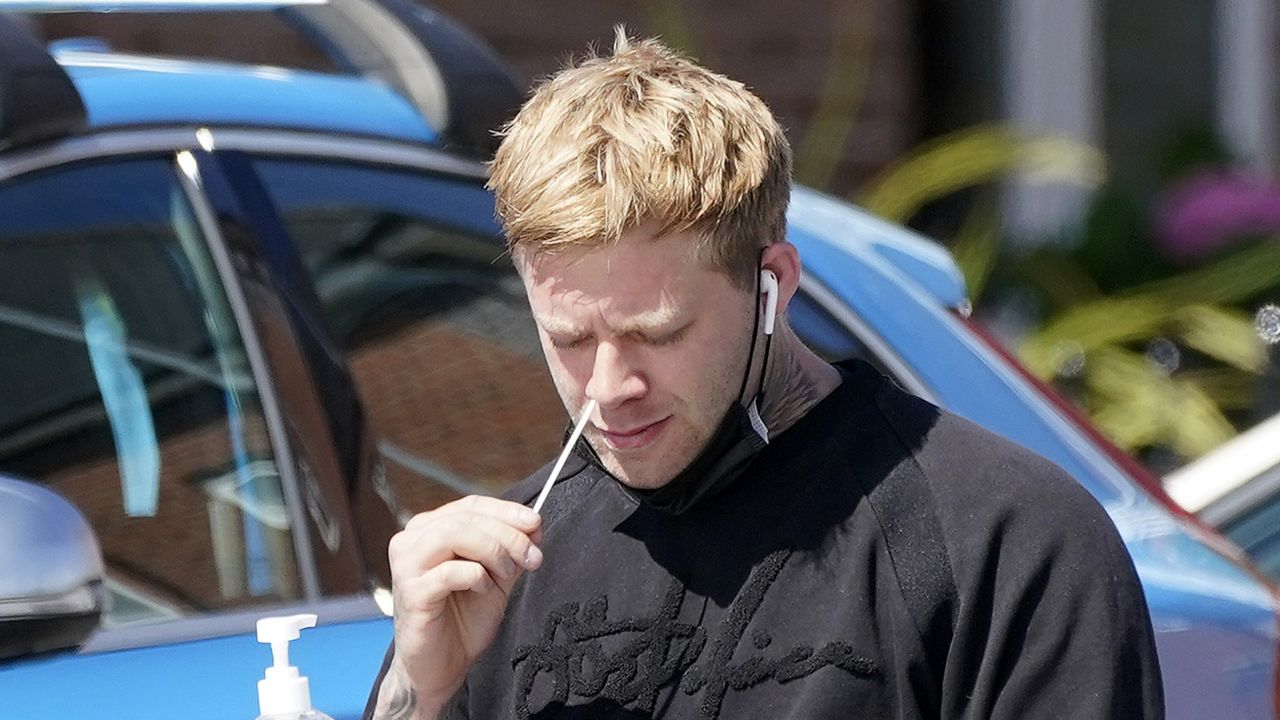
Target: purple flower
{"x":1211,"y":211}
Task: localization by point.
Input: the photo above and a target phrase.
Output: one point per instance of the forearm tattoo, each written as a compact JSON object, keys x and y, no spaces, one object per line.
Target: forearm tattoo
{"x":396,"y":699}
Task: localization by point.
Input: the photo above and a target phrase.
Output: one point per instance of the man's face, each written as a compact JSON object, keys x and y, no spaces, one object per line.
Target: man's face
{"x":656,"y":338}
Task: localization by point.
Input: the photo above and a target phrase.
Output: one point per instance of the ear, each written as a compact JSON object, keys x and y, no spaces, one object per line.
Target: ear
{"x":784,"y":260}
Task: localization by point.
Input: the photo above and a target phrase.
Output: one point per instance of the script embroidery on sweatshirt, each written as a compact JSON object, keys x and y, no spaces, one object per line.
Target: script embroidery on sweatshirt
{"x":660,"y":649}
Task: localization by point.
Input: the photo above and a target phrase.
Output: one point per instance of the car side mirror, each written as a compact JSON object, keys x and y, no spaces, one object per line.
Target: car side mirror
{"x":51,"y":572}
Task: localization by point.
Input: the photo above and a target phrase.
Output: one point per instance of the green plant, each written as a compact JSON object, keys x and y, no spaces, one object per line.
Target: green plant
{"x":1158,"y":356}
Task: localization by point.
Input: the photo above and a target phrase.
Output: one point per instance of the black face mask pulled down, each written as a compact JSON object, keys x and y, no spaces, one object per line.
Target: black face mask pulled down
{"x":740,"y":436}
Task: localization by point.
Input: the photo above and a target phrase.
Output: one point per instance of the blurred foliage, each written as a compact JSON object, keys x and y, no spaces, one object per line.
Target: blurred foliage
{"x":1161,"y":356}
{"x":974,"y":156}
{"x":840,"y":99}
{"x":1112,"y":248}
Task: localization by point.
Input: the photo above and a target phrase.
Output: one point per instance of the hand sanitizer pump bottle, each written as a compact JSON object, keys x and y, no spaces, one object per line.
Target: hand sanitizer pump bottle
{"x":283,"y":694}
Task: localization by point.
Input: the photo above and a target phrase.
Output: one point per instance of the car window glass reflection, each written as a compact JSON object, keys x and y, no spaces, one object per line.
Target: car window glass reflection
{"x":413,"y":277}
{"x":1257,"y":529}
{"x":127,"y":389}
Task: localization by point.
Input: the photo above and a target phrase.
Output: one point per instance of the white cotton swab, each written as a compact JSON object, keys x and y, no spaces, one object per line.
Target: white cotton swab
{"x":564,"y":454}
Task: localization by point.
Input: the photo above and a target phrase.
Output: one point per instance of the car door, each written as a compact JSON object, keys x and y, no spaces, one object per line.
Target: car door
{"x":152,"y":375}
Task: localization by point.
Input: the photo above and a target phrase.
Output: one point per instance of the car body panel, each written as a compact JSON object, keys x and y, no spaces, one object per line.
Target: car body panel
{"x":929,"y":265}
{"x":125,"y":90}
{"x":212,"y":678}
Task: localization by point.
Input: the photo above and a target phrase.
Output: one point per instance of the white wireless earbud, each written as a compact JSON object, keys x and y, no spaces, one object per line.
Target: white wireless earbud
{"x":769,"y":287}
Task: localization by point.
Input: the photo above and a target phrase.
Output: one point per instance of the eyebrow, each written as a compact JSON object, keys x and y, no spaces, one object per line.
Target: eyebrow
{"x":645,"y":323}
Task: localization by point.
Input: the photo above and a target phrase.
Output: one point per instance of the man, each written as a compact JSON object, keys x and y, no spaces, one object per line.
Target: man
{"x":744,"y":530}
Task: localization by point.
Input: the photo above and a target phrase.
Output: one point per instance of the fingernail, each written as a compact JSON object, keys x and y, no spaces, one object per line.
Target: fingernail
{"x":529,"y":517}
{"x":532,"y":557}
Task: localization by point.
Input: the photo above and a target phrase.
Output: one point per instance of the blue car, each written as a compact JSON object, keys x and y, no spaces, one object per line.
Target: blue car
{"x":253,"y":318}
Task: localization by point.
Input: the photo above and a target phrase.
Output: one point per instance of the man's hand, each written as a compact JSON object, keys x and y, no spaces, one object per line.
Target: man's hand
{"x":452,"y":570}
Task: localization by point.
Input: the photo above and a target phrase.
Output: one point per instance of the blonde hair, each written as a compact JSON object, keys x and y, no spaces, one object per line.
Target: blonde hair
{"x":645,"y":135}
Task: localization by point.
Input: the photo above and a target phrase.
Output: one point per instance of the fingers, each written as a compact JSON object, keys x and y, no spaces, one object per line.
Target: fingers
{"x":452,"y":571}
{"x":469,"y":536}
{"x":514,"y":514}
{"x":423,"y":600}
{"x":480,"y":531}
{"x":445,"y":579}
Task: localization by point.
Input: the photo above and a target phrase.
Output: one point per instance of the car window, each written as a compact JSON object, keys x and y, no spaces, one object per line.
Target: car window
{"x":1257,"y":529}
{"x":412,"y":275}
{"x":126,"y":388}
{"x":831,"y":339}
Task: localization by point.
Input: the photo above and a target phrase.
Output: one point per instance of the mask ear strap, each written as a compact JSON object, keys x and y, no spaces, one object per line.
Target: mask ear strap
{"x":764,"y":365}
{"x":755,"y":333}
{"x":766,"y":288}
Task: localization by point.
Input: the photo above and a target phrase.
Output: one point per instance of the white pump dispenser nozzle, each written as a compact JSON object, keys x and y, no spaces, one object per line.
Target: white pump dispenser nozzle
{"x":283,"y":691}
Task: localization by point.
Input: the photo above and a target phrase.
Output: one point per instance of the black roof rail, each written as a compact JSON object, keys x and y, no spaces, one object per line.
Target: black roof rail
{"x":38,"y":102}
{"x":452,"y":77}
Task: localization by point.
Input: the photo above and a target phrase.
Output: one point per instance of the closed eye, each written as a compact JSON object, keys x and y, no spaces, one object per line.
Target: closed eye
{"x":670,"y":338}
{"x":568,"y":343}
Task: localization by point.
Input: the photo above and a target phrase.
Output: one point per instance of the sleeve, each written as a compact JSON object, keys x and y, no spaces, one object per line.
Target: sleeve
{"x":1051,"y":619}
{"x":372,"y":703}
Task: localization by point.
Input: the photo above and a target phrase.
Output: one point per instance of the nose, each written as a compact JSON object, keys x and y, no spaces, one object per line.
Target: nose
{"x":614,"y":379}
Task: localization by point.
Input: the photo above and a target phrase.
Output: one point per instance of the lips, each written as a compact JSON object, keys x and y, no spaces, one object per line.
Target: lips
{"x":633,"y":438}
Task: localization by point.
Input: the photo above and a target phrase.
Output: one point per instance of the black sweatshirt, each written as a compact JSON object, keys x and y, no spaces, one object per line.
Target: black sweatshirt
{"x":879,"y":559}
